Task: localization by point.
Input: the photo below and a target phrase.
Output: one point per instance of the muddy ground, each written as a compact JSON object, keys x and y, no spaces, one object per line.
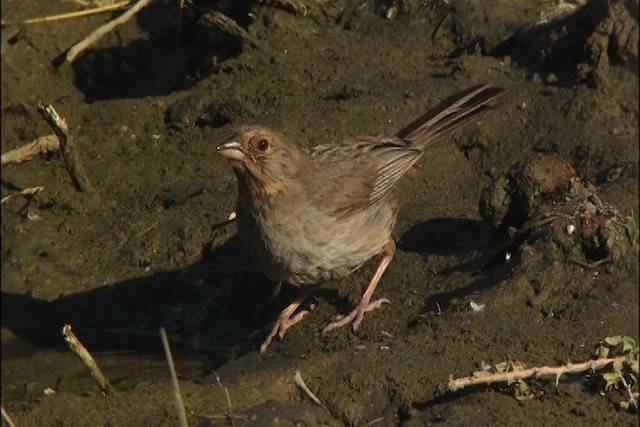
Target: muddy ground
{"x":532,"y":211}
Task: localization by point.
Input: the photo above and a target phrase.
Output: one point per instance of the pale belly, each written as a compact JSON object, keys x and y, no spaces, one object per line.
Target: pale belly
{"x":310,"y":247}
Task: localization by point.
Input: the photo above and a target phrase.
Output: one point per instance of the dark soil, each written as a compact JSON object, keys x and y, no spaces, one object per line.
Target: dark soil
{"x":531,"y":212}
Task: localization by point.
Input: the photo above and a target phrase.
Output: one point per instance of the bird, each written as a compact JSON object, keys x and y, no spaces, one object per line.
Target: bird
{"x":312,"y":215}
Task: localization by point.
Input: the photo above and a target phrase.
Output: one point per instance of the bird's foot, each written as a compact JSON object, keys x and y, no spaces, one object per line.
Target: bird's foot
{"x":355,"y":316}
{"x":283,"y":323}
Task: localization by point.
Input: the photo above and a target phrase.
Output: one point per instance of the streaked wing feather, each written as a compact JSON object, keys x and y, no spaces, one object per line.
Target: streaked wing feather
{"x":369,"y":169}
{"x":392,"y":166}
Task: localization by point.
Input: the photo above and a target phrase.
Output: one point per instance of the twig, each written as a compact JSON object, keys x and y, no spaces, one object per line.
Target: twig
{"x":297,"y":379}
{"x":228,"y":415}
{"x":627,"y":387}
{"x":41,"y":145}
{"x":7,"y":418}
{"x":80,"y":350}
{"x":26,"y":192}
{"x":223,"y":23}
{"x":182,"y":415}
{"x":224,"y":416}
{"x":226,"y":393}
{"x":591,"y":265}
{"x":541,"y":371}
{"x":103,"y":30}
{"x":69,"y":15}
{"x":296,"y":7}
{"x":71,"y":157}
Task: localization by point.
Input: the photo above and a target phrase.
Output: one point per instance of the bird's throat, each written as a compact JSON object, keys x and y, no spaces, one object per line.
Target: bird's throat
{"x":258,"y":192}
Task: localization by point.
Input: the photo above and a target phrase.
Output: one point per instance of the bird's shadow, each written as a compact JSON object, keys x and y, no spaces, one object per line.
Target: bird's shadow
{"x":214,"y":307}
{"x":479,"y":246}
{"x":445,"y":236}
{"x":219,"y":306}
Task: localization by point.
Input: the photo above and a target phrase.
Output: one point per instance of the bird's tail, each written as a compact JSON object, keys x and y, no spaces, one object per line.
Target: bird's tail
{"x":454,"y":111}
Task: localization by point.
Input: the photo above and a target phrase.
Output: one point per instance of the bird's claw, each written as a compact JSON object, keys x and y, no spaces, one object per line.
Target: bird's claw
{"x":280,"y":328}
{"x":355,"y":316}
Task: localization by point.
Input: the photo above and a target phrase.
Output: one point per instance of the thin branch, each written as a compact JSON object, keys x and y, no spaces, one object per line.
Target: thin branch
{"x":100,"y":32}
{"x":80,"y":350}
{"x":7,"y":417}
{"x":69,"y":15}
{"x":41,"y":145}
{"x":294,"y":6}
{"x":297,"y":379}
{"x":541,"y":371}
{"x":27,"y":192}
{"x":222,"y":22}
{"x":182,"y":415}
{"x":627,"y":387}
{"x":70,"y":154}
{"x":226,"y":393}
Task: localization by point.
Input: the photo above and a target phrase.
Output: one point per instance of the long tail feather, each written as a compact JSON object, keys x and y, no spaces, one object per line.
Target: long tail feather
{"x":451,"y":113}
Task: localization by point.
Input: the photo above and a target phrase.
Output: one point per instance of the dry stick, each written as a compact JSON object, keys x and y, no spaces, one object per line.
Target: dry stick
{"x":41,"y":145}
{"x":76,"y":346}
{"x":103,"y":30}
{"x":31,"y":191}
{"x":297,"y":379}
{"x":295,"y":6}
{"x":541,"y":371}
{"x":627,"y":386}
{"x":71,"y":157}
{"x":229,"y":415}
{"x":69,"y":15}
{"x":226,"y":393}
{"x":222,"y":22}
{"x":7,"y":418}
{"x":182,"y":415}
{"x":215,"y":417}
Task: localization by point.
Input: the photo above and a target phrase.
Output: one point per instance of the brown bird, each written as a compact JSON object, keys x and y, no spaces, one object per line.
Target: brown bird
{"x":310,"y":216}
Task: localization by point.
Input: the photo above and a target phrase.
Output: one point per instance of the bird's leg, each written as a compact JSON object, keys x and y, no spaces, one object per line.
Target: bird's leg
{"x":287,"y":317}
{"x":365,"y":304}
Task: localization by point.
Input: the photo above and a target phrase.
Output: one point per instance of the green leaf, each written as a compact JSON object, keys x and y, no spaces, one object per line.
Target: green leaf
{"x":502,"y":366}
{"x":614,"y":340}
{"x":522,"y":391}
{"x":611,"y":379}
{"x":602,"y":352}
{"x":617,"y":365}
{"x":628,"y":344}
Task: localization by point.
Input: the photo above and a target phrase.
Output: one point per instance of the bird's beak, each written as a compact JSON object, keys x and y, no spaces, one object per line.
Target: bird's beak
{"x":232,"y":150}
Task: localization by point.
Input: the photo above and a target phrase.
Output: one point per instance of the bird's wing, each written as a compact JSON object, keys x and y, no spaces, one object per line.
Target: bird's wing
{"x":392,"y":161}
{"x":358,"y":174}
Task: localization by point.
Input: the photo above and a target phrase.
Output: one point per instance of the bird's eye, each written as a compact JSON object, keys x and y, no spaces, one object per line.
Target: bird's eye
{"x":262,"y":144}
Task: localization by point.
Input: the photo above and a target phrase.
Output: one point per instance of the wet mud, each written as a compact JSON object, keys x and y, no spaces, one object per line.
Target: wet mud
{"x":530,"y":213}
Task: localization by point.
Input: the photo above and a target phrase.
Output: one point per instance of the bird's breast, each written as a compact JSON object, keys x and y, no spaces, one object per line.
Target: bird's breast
{"x":293,"y":241}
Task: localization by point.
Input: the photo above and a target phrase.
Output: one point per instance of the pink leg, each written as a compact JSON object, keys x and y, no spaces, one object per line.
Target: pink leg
{"x":287,"y":318}
{"x":365,"y":304}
